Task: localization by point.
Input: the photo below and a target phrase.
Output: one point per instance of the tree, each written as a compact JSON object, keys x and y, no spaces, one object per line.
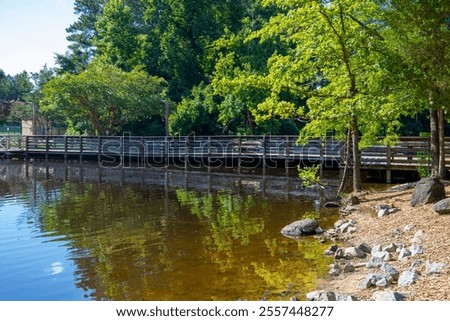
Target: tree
{"x":15,"y":93}
{"x":81,"y":35}
{"x":334,"y":60}
{"x":103,"y":99}
{"x":120,"y":40}
{"x":419,"y":37}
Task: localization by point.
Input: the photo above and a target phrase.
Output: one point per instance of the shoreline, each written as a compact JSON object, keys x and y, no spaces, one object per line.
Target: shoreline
{"x":419,"y":229}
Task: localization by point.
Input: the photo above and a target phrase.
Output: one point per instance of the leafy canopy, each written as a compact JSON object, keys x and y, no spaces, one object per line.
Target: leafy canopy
{"x":103,"y":99}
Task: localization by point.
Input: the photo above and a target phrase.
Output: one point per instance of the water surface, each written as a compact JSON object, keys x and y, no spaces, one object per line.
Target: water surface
{"x":67,"y":233}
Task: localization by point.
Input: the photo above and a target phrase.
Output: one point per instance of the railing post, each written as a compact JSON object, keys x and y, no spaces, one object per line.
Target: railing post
{"x":209,"y":159}
{"x":166,"y":150}
{"x":287,"y":154}
{"x":239,"y":153}
{"x":388,"y":164}
{"x":26,"y":147}
{"x":81,"y":149}
{"x":264,"y":146}
{"x":321,"y":157}
{"x":99,"y":150}
{"x":47,"y":147}
{"x":186,"y":152}
{"x":65,"y":148}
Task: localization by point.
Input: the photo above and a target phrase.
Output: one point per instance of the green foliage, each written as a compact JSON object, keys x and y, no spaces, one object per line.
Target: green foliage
{"x":103,"y":99}
{"x":424,"y":164}
{"x":309,"y":175}
{"x":311,"y":215}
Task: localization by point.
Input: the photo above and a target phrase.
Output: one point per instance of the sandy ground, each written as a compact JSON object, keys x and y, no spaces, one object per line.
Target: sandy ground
{"x":373,"y":231}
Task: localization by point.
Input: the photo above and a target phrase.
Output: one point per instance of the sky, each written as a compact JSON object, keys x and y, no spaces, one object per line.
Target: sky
{"x":31,"y":32}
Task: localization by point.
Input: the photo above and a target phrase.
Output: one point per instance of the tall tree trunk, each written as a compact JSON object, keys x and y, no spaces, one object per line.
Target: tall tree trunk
{"x":434,"y":142}
{"x":348,"y":145}
{"x":441,"y":124}
{"x":356,"y":155}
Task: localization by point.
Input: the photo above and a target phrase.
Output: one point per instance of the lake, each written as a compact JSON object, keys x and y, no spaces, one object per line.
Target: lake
{"x":80,"y":232}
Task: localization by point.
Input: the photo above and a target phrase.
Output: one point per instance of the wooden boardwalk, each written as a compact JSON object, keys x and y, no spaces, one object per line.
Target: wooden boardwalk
{"x":216,"y":151}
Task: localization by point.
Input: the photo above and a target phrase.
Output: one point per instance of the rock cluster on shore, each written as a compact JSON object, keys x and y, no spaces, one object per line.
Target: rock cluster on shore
{"x":392,"y":268}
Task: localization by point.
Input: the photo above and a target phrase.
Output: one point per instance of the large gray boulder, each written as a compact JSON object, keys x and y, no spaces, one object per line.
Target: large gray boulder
{"x":442,"y":207}
{"x":299,"y":228}
{"x":428,"y":190}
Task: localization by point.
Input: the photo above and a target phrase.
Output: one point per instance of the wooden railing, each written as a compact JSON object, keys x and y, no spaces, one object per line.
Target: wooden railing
{"x":407,"y":153}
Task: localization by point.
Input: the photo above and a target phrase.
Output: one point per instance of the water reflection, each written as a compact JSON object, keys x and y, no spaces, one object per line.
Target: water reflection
{"x":147,"y":242}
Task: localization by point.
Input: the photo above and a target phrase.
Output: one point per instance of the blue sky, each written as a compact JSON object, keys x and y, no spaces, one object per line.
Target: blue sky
{"x":31,"y":32}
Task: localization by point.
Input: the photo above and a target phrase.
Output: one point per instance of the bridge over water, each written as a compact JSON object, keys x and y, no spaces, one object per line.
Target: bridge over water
{"x":217,"y":151}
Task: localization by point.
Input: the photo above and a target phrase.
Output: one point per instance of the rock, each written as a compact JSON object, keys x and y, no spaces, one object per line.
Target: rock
{"x":404,"y":253}
{"x":415,"y":264}
{"x":442,"y":207}
{"x":416,"y":249}
{"x":390,"y":270}
{"x":339,"y":254}
{"x":353,"y":252}
{"x":384,"y":210}
{"x":387,"y":296}
{"x":302,"y":227}
{"x":331,"y":205}
{"x":337,"y":224}
{"x":374,"y":262}
{"x":408,"y":228}
{"x":319,"y":230}
{"x":385,"y":256}
{"x":344,"y":228}
{"x":428,"y":190}
{"x":349,"y":209}
{"x":354,"y":200}
{"x":408,"y":278}
{"x":402,"y":187}
{"x":321,"y":296}
{"x":383,"y":213}
{"x":331,"y":250}
{"x":349,"y":268}
{"x":335,"y":270}
{"x":391,"y":248}
{"x":345,"y":297}
{"x":417,"y":236}
{"x":364,"y":247}
{"x":367,"y":282}
{"x":376,"y":249}
{"x":375,"y":280}
{"x":396,"y":232}
{"x":384,"y":281}
{"x":351,"y":229}
{"x":293,"y":298}
{"x":434,"y":268}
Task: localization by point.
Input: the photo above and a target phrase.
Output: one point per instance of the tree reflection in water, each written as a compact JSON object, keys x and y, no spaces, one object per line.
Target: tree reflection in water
{"x":144,"y":243}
